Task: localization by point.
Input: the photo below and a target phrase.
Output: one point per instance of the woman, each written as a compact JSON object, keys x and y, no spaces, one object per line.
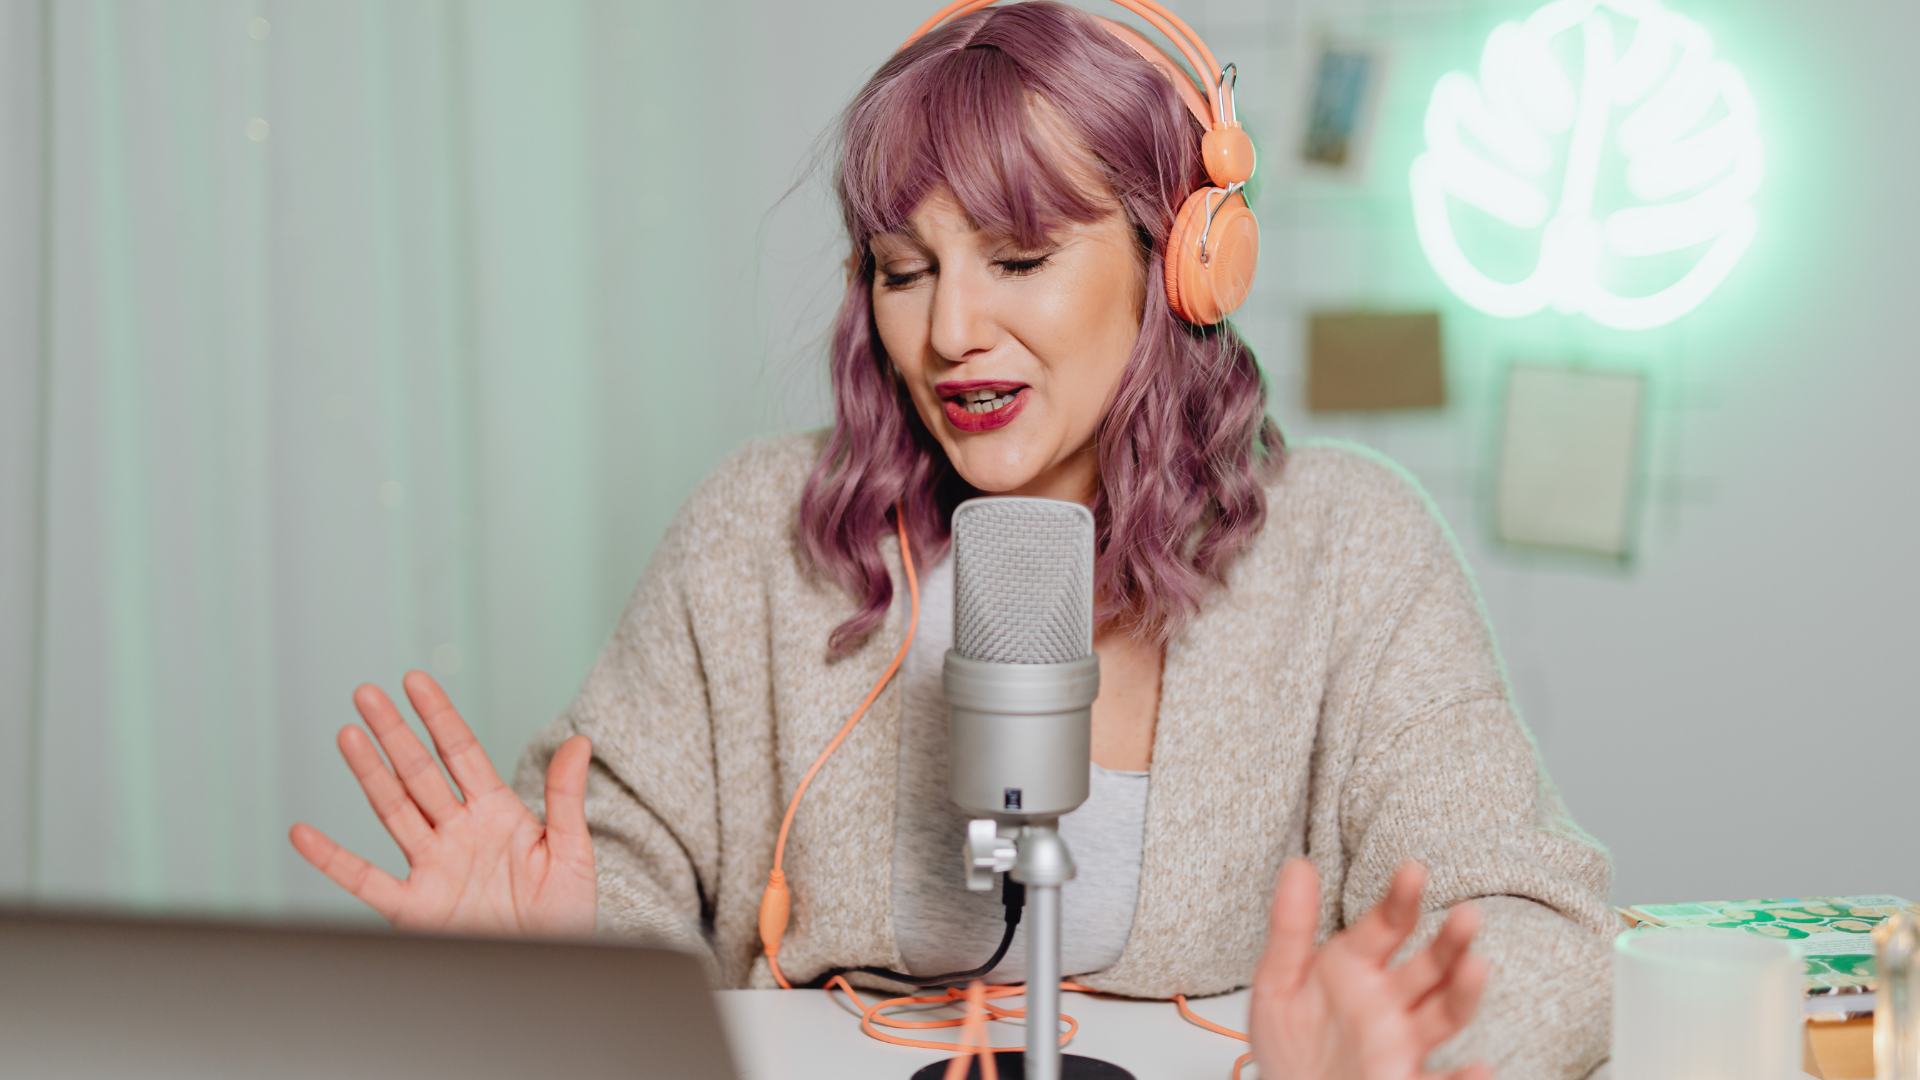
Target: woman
{"x":1293,"y":659}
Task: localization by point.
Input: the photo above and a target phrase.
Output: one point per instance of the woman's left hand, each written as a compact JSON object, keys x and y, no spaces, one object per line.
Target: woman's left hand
{"x":1340,"y":1012}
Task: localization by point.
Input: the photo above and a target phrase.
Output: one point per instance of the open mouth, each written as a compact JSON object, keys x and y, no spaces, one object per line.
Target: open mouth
{"x":981,"y":406}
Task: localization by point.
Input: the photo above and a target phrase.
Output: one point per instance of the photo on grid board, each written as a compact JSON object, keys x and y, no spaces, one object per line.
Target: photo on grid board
{"x":1341,"y":103}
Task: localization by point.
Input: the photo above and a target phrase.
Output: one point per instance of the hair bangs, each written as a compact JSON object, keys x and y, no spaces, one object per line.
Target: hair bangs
{"x":967,"y":121}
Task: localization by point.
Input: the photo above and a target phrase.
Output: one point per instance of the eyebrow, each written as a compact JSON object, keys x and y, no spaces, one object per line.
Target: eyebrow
{"x":907,"y":232}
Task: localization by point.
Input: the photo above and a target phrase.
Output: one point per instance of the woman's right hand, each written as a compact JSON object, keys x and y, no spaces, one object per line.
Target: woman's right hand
{"x":482,"y":864}
{"x":1343,"y":1011}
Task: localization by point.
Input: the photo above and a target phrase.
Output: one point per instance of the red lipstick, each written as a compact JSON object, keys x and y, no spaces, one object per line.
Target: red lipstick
{"x":963,"y":420}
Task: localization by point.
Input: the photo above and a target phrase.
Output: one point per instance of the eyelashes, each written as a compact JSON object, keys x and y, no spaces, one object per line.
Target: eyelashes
{"x":1014,"y":268}
{"x":1022,"y":267}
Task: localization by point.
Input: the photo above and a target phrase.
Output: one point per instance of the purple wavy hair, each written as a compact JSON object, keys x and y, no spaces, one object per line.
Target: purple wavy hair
{"x":1186,"y":447}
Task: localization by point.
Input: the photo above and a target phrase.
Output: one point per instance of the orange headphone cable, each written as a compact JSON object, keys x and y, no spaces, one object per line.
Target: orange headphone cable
{"x":978,"y":1000}
{"x":776,"y":902}
{"x":1195,"y":1018}
{"x":876,"y":1014}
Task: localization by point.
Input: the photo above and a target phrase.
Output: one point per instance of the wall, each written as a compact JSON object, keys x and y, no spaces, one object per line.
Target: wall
{"x":538,"y":265}
{"x":1728,"y":712}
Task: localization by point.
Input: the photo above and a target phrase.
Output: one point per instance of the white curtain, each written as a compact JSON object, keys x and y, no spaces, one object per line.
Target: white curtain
{"x":20,"y":402}
{"x":343,"y":338}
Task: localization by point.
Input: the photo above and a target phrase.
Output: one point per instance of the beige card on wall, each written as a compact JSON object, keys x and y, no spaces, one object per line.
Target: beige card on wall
{"x":1568,"y":454}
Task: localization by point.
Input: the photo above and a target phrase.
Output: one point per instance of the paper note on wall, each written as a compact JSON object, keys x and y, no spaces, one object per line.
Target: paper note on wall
{"x":1374,"y":360}
{"x":1567,"y":459}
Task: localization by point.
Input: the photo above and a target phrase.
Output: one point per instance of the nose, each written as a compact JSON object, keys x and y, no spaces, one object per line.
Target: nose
{"x":962,"y":317}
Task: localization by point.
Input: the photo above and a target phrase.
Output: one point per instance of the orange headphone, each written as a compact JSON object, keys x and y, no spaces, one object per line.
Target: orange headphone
{"x":1215,"y":244}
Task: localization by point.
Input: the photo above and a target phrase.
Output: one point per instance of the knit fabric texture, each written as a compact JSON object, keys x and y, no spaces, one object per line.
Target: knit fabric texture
{"x":1340,"y":698}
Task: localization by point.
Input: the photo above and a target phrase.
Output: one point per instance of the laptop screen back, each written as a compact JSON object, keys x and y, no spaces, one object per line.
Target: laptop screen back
{"x":102,"y":997}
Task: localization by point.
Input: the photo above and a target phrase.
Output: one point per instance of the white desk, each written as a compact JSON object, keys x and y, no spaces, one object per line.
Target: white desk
{"x":807,"y":1035}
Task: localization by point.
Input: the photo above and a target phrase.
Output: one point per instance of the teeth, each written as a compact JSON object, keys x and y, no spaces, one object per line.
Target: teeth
{"x":986,"y":401}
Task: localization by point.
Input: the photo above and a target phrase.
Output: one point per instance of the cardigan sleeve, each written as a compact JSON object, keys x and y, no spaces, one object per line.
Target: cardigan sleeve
{"x":1444,"y":772}
{"x":651,"y":797}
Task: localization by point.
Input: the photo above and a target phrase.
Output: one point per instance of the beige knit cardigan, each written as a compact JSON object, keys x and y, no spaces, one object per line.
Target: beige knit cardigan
{"x":1341,"y":698}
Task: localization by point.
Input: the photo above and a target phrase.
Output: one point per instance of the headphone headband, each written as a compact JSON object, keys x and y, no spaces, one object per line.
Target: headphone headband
{"x":1214,"y":245}
{"x":1216,"y":85}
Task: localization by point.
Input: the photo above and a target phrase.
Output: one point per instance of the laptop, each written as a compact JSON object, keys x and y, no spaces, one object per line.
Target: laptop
{"x":106,"y":997}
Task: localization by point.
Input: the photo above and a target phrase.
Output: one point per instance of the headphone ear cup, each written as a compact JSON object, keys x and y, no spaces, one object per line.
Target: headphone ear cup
{"x":1201,"y":289}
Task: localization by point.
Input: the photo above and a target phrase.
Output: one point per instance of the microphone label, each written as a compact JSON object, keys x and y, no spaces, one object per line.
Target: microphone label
{"x":1013,"y":799}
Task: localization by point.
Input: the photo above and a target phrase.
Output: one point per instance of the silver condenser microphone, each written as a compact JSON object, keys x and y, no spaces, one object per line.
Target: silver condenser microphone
{"x":1022,"y":675}
{"x":1020,"y":681}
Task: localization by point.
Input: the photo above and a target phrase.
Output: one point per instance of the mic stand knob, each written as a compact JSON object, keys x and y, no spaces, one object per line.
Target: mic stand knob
{"x":987,"y":853}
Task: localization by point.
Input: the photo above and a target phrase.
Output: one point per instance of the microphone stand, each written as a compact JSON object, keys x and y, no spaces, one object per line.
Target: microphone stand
{"x":1031,"y":852}
{"x":1043,"y":865}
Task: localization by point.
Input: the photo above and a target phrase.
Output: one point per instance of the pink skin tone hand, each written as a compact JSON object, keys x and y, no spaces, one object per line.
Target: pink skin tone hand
{"x":479,"y":862}
{"x":1341,"y":1011}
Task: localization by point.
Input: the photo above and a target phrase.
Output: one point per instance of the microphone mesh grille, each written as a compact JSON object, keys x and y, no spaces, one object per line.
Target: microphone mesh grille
{"x":1022,"y":580}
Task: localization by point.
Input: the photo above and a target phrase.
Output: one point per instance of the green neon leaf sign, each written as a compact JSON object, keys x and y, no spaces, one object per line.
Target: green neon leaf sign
{"x":1621,"y":176}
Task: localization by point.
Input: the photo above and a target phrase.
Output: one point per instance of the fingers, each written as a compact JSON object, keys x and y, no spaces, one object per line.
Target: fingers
{"x":1424,"y":969}
{"x":465,"y":758}
{"x":1291,"y":927}
{"x":375,"y":887}
{"x":1479,"y":1070}
{"x":389,"y":800}
{"x":1382,"y":930}
{"x":1451,"y":1004}
{"x":411,"y":762}
{"x":567,"y":834}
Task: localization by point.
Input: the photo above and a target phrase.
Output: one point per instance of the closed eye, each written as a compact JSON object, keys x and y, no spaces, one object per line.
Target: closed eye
{"x":1021,"y":267}
{"x":901,"y":279}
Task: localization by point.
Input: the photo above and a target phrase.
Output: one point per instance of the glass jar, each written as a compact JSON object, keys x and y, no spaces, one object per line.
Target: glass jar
{"x":1896,"y":1013}
{"x":1694,"y":1003}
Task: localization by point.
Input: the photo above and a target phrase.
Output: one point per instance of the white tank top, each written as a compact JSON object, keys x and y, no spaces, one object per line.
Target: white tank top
{"x":938,"y":924}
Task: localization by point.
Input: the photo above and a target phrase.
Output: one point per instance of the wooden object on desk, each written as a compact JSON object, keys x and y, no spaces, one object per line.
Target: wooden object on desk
{"x":1840,"y":1049}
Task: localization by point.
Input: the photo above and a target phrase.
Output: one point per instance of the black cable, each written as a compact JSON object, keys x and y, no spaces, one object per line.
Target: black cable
{"x":1013,"y":896}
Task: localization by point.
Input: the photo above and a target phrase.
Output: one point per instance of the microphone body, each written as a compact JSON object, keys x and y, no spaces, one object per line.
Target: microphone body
{"x":1022,"y":675}
{"x":1020,"y":736}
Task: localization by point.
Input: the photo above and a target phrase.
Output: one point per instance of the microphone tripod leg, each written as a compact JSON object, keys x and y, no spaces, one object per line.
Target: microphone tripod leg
{"x":1043,"y":865}
{"x":1043,"y":983}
